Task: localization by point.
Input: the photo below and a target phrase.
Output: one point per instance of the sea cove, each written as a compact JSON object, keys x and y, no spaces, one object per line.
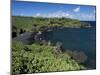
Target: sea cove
{"x":80,"y":39}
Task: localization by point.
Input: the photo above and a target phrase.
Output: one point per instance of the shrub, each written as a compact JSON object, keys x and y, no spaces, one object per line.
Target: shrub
{"x":40,"y":58}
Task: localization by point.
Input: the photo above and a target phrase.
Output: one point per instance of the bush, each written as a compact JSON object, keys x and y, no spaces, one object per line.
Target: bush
{"x":78,"y":56}
{"x":40,"y":58}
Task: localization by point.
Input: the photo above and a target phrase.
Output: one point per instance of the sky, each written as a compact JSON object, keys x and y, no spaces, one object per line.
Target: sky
{"x":38,"y":9}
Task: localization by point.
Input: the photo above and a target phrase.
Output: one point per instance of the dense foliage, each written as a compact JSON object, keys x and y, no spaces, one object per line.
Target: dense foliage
{"x":40,"y":58}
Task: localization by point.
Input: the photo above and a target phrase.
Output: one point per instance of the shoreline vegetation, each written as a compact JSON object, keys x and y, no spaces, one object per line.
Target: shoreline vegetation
{"x":41,"y":23}
{"x":41,"y":55}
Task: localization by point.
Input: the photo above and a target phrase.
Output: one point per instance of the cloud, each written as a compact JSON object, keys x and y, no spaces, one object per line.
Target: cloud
{"x":21,"y":14}
{"x":68,"y":14}
{"x":85,"y":17}
{"x":59,"y":14}
{"x":54,"y":14}
{"x":77,"y":9}
{"x":89,"y":16}
{"x":38,"y":14}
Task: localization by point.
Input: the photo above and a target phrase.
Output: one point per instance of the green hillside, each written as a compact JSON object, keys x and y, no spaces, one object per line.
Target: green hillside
{"x":27,"y":23}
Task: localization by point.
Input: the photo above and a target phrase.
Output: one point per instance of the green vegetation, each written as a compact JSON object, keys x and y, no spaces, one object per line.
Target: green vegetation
{"x":27,"y":23}
{"x":40,"y":58}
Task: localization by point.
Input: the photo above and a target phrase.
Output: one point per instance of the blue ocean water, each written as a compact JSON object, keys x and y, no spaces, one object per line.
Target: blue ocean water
{"x":80,"y":39}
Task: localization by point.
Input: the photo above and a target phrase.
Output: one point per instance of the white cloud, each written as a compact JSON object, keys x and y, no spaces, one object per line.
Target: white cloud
{"x":84,"y":16}
{"x":21,"y":14}
{"x":68,"y":14}
{"x":60,"y":14}
{"x":77,"y":9}
{"x":54,"y":14}
{"x":37,"y":15}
